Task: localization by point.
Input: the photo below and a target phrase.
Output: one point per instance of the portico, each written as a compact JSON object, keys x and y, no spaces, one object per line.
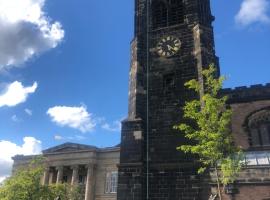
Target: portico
{"x":84,"y":166}
{"x":81,"y":175}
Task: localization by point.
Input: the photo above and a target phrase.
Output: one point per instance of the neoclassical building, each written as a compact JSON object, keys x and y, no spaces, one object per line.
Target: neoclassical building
{"x":94,"y":169}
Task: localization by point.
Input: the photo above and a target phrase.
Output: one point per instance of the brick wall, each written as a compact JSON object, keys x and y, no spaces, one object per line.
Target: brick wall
{"x":240,"y":113}
{"x":253,"y":182}
{"x":250,"y":192}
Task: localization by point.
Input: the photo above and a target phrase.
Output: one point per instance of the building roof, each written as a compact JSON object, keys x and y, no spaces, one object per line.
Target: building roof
{"x":67,"y":147}
{"x":73,"y":147}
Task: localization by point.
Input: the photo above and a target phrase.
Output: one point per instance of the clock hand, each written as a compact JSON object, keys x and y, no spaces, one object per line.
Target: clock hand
{"x":170,"y":47}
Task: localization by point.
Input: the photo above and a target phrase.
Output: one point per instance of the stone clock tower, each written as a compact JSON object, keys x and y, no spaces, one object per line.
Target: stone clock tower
{"x":173,"y":42}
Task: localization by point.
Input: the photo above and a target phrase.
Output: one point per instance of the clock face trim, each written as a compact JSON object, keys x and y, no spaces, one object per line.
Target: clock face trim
{"x":168,"y":46}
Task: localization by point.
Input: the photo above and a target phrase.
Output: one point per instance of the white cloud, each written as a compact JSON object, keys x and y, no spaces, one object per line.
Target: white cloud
{"x":28,"y":111}
{"x":73,"y":117}
{"x":15,"y":118}
{"x":31,"y":146}
{"x":76,"y":137}
{"x":253,"y":11}
{"x":58,"y":137}
{"x":15,"y":93}
{"x":114,"y":127}
{"x":25,"y":31}
{"x":79,"y":137}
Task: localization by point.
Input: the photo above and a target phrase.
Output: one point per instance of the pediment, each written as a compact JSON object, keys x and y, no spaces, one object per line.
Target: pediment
{"x":69,"y":147}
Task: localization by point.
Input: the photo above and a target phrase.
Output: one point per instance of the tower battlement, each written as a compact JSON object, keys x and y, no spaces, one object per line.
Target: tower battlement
{"x":248,"y":93}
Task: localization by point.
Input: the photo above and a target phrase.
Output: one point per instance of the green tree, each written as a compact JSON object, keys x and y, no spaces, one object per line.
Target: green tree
{"x":66,"y":191}
{"x":207,"y":125}
{"x":25,"y":184}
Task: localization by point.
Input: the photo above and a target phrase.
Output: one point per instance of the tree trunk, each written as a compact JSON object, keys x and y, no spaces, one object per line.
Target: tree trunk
{"x":218,"y":183}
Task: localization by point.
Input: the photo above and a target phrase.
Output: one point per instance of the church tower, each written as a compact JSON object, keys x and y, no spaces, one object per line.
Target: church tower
{"x":173,"y":42}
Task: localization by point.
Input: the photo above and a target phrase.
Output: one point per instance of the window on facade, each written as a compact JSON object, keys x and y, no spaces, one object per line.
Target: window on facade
{"x":65,"y":179}
{"x":257,"y":158}
{"x":260,"y":136}
{"x":111,"y":182}
{"x":259,"y":129}
{"x":167,"y":13}
{"x":82,"y":179}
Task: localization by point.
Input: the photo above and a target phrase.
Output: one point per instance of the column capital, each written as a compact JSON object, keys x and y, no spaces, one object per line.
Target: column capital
{"x":74,"y":167}
{"x":60,"y":167}
{"x":90,"y":165}
{"x":47,"y":168}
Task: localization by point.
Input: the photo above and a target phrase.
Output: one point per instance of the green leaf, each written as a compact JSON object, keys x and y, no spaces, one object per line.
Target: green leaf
{"x":208,"y":127}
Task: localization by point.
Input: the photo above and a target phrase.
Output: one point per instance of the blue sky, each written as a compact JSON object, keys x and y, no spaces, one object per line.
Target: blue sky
{"x":66,"y":79}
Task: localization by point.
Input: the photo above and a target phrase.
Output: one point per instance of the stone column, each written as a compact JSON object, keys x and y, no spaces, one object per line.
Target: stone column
{"x":46,"y":176}
{"x":89,"y":182}
{"x":60,"y":170}
{"x":50,"y":178}
{"x":75,"y":174}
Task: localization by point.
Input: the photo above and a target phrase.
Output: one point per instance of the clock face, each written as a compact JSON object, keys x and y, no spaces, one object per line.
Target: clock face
{"x":168,"y":46}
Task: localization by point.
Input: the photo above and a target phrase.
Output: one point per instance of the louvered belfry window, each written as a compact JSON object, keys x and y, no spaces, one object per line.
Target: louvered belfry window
{"x":167,"y":13}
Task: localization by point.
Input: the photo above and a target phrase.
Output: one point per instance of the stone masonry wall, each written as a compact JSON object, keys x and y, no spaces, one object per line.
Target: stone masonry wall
{"x":106,"y":162}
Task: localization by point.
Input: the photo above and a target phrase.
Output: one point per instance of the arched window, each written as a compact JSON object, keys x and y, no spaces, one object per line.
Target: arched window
{"x":259,"y":128}
{"x":167,"y":13}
